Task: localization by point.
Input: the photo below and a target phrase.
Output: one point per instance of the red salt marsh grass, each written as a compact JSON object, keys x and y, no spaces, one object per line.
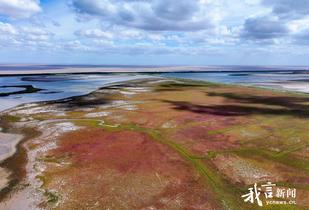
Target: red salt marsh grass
{"x":134,"y":172}
{"x":120,"y":150}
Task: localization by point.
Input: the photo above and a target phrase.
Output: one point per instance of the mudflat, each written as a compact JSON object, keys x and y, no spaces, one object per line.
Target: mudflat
{"x":162,"y":144}
{"x":8,"y":144}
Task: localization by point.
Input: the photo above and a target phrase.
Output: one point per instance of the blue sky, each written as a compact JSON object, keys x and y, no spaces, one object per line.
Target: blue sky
{"x":159,"y":32}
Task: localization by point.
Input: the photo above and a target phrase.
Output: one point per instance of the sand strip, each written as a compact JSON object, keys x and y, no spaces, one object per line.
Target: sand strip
{"x":8,"y":143}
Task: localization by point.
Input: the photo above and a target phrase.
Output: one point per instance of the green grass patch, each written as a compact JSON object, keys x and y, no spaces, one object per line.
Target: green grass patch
{"x":52,"y":197}
{"x":265,"y":154}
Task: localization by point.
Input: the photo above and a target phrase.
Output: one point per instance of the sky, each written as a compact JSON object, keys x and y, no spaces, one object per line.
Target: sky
{"x":155,"y":32}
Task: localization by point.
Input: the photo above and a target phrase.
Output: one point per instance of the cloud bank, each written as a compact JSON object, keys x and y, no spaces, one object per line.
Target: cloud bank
{"x":157,"y":15}
{"x":194,"y":30}
{"x":19,"y":8}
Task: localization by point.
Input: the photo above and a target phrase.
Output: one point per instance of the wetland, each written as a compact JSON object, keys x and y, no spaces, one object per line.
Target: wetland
{"x":155,"y":143}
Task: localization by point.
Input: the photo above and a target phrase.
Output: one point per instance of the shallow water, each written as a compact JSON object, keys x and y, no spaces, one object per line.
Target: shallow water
{"x":9,"y":89}
{"x":242,"y":78}
{"x":64,"y":86}
{"x":57,"y":87}
{"x":282,"y":80}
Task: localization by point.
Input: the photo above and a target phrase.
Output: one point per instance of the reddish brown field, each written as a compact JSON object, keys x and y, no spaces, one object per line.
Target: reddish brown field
{"x":125,"y":170}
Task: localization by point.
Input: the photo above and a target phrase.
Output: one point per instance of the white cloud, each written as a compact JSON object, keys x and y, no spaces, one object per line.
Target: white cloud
{"x":23,"y":37}
{"x":19,"y":8}
{"x":298,"y":25}
{"x":156,"y":15}
{"x":118,"y":33}
{"x":7,"y":28}
{"x":76,"y":45}
{"x":151,"y":27}
{"x":95,"y":33}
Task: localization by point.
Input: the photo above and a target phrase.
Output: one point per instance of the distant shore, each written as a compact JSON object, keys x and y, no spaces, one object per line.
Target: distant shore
{"x":7,"y":70}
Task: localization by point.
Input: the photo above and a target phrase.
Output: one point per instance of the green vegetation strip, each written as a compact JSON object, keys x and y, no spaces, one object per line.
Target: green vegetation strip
{"x":281,"y":158}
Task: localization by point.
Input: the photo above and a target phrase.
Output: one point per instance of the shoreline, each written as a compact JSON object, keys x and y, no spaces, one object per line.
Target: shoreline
{"x":14,"y":105}
{"x":279,"y":88}
{"x":292,"y":87}
{"x":50,"y":69}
